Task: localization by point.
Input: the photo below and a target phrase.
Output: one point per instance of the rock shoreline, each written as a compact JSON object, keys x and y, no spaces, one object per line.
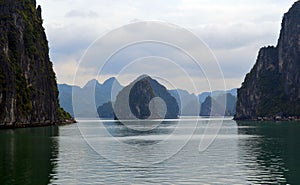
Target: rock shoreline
{"x":272,"y":118}
{"x":32,"y":125}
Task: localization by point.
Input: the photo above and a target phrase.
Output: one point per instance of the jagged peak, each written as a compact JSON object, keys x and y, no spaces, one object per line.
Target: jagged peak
{"x":92,"y":83}
{"x":109,"y":82}
{"x":111,"y":79}
{"x":39,"y":12}
{"x":144,"y":76}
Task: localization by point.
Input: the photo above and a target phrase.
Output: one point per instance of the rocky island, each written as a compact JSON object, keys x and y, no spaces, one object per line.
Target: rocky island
{"x":145,"y":98}
{"x":272,"y":89}
{"x":28,"y":89}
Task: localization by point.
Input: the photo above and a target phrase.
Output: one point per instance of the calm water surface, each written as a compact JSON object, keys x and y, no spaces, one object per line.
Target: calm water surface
{"x":92,"y":152}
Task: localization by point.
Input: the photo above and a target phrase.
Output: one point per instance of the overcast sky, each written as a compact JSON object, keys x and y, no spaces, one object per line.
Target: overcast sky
{"x":233,"y":29}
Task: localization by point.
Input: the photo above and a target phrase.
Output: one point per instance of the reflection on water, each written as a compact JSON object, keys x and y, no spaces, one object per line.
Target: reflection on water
{"x":90,"y":165}
{"x":117,"y":129}
{"x":27,"y":155}
{"x":141,"y":129}
{"x":243,"y":153}
{"x":273,"y":155}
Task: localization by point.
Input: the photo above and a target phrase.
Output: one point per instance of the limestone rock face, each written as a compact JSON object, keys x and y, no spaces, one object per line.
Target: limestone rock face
{"x":272,"y":88}
{"x":28,"y":89}
{"x":145,"y":98}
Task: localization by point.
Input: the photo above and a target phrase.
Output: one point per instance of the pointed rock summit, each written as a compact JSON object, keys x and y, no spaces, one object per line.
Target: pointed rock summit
{"x":145,"y":98}
{"x":272,"y":88}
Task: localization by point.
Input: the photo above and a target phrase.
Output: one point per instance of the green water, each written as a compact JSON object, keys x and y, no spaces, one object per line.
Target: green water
{"x":26,"y":155}
{"x":277,"y":149}
{"x":242,"y":153}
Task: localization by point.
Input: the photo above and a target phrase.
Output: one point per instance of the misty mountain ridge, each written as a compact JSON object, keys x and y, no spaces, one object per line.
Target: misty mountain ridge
{"x":102,"y":94}
{"x":189,"y":103}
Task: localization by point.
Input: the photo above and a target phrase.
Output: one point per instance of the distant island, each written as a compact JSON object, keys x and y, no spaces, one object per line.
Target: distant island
{"x":189,"y":104}
{"x":134,"y":101}
{"x":271,"y":91}
{"x":28,"y":89}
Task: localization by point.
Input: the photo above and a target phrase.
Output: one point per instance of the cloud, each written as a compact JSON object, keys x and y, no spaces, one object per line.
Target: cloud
{"x":237,"y":35}
{"x":233,"y":29}
{"x":185,"y":54}
{"x":66,"y":71}
{"x":82,"y":14}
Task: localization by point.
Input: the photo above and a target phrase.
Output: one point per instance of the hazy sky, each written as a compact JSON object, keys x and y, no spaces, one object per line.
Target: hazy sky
{"x":233,"y":29}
